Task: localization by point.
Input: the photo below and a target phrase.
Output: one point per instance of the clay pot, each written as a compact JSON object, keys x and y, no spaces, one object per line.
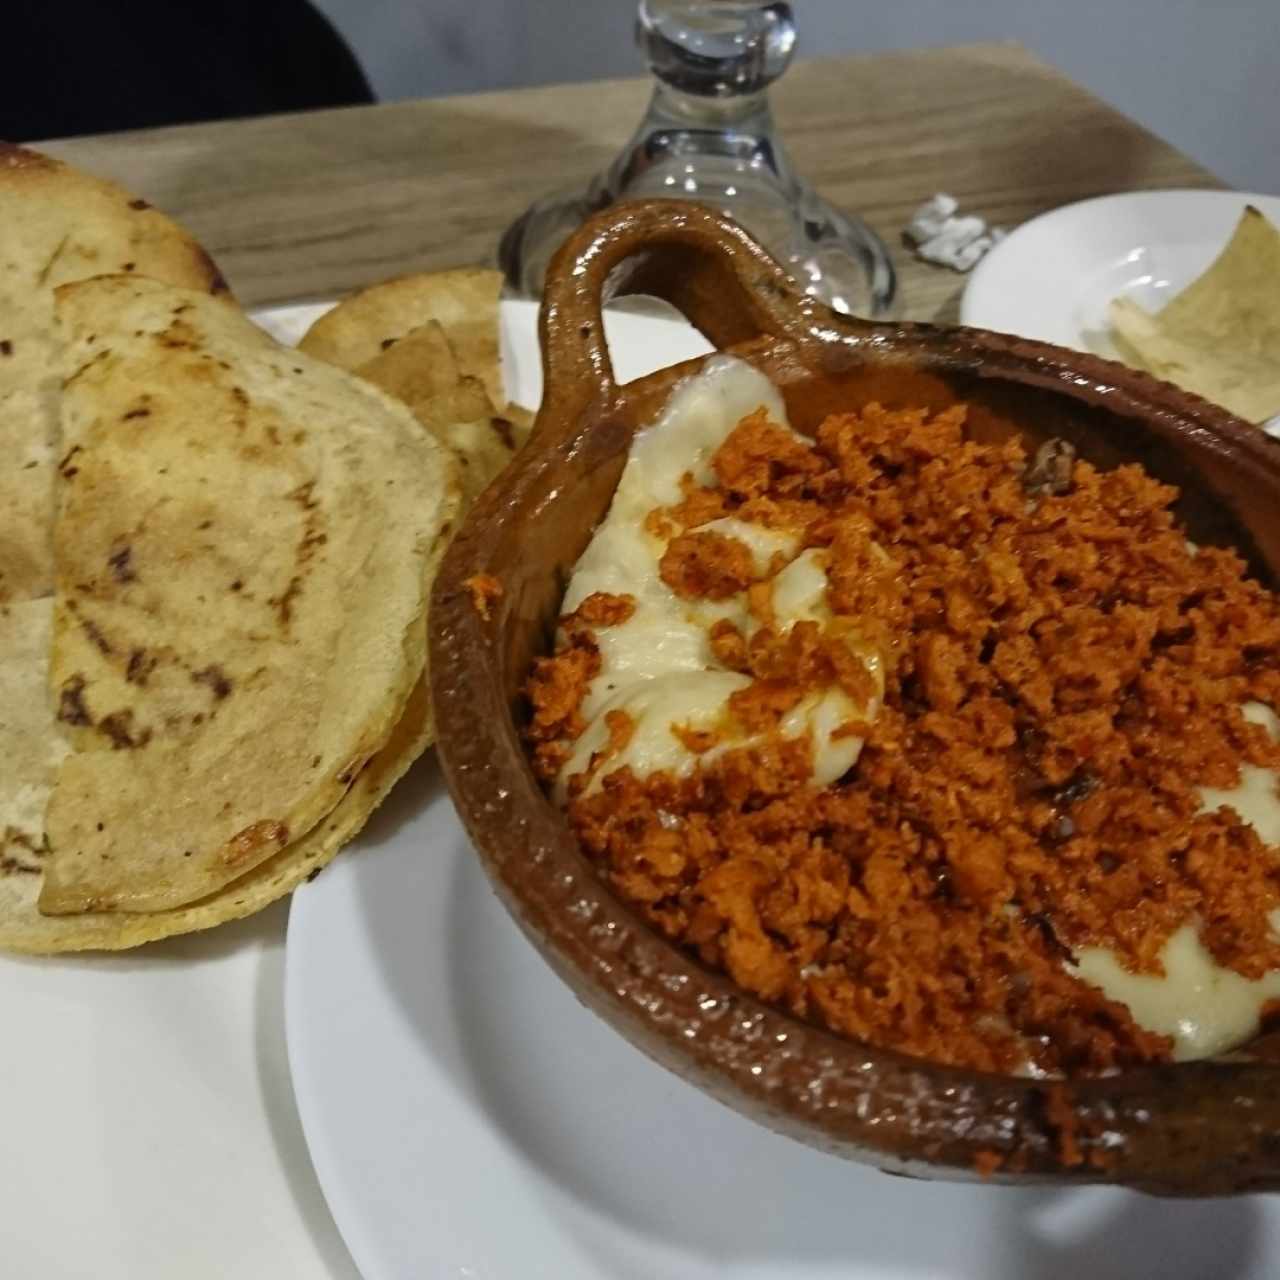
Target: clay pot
{"x":1200,"y":1128}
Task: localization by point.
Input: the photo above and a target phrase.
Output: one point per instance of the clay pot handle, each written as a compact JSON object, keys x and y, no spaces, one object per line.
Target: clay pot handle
{"x":707,"y":266}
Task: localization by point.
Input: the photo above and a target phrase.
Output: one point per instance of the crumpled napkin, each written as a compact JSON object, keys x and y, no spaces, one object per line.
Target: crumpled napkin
{"x":939,"y":236}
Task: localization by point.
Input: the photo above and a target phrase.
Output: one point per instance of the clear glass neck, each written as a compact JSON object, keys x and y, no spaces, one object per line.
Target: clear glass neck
{"x":715,"y":48}
{"x":708,"y":135}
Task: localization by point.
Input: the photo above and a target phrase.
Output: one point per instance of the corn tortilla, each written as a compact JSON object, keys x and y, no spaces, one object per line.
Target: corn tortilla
{"x":422,"y":370}
{"x":242,"y":545}
{"x":1220,"y":337}
{"x":24,"y":929}
{"x":463,"y":302}
{"x":59,"y":225}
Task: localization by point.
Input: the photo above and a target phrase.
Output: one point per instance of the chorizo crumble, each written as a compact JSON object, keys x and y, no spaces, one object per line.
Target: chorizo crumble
{"x":484,"y":589}
{"x":1063,"y":671}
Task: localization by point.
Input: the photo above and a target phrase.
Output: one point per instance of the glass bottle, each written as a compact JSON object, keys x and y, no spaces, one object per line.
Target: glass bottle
{"x":709,"y":135}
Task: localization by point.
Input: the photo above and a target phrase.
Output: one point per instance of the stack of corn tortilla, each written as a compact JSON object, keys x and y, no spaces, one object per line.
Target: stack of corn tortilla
{"x":215,"y":560}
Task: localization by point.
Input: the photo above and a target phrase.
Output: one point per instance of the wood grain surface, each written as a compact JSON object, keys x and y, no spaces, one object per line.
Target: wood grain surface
{"x":308,"y":206}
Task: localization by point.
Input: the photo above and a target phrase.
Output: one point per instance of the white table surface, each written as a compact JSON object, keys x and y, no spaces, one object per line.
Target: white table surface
{"x":147,"y":1121}
{"x":148,"y":1128}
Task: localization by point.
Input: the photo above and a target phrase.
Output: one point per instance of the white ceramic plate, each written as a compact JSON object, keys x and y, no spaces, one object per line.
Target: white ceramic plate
{"x":1054,"y":277}
{"x":469,"y":1120}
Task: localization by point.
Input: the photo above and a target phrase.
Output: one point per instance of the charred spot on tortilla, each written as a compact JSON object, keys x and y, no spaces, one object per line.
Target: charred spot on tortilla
{"x":216,"y":679}
{"x":71,"y":706}
{"x":118,"y":727}
{"x":120,"y":562}
{"x":248,"y":845}
{"x":140,"y":666}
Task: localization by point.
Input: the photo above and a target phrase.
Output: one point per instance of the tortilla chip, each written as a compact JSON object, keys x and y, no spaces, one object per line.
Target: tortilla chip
{"x":521,"y":421}
{"x":243,"y":543}
{"x":420,"y":369}
{"x":463,"y":302}
{"x":59,"y":225}
{"x":1220,"y":337}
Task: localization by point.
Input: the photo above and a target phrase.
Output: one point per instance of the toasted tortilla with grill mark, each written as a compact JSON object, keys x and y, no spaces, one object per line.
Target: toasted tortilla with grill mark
{"x":30,"y":749}
{"x":422,"y":370}
{"x":59,"y":225}
{"x":242,"y":544}
{"x":463,"y":302}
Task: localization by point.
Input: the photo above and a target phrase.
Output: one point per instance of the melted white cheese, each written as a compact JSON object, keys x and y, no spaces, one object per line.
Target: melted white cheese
{"x":1254,"y":797}
{"x":800,"y":590}
{"x":658,"y":666}
{"x":690,"y":699}
{"x":1203,"y":1006}
{"x":763,"y":543}
{"x":699,"y":416}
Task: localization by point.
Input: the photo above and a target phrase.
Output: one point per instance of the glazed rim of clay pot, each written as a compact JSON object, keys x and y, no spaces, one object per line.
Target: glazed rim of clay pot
{"x":1207,"y":1127}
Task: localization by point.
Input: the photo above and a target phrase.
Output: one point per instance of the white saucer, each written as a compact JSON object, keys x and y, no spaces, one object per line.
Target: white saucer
{"x":469,"y":1120}
{"x":1054,"y":276}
